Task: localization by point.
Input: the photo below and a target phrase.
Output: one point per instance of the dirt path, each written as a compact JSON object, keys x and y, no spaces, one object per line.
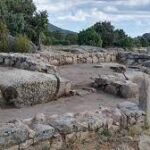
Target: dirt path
{"x":80,"y":75}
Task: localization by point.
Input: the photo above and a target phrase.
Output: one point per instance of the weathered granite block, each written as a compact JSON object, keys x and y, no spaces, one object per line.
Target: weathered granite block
{"x":13,"y":133}
{"x":26,"y":88}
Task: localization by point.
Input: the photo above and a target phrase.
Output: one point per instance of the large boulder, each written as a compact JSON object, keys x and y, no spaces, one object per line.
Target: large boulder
{"x":26,"y":88}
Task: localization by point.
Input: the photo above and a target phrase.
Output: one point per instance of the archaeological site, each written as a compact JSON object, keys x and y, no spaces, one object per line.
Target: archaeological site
{"x":70,"y":98}
{"x":74,"y":75}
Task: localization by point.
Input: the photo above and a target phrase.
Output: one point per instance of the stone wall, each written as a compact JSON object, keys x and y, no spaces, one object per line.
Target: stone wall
{"x":131,"y":58}
{"x":53,"y":132}
{"x":46,"y":61}
{"x":26,"y":61}
{"x":69,"y":58}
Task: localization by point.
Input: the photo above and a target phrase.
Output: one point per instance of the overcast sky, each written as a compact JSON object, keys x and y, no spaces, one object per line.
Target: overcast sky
{"x":131,"y":15}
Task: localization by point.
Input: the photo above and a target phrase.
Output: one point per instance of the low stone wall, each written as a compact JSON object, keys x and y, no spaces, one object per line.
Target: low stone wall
{"x":53,"y":132}
{"x":117,"y":85}
{"x":21,"y":88}
{"x":46,"y":61}
{"x":69,"y":58}
{"x":131,"y":58}
{"x":26,"y":61}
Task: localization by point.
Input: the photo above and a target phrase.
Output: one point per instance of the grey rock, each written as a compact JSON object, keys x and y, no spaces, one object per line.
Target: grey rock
{"x":25,"y":88}
{"x":43,"y":132}
{"x":146,"y":64}
{"x":130,"y":109}
{"x":12,"y":133}
{"x":124,"y":147}
{"x":116,"y":85}
{"x":144,"y":143}
{"x":129,"y":89}
{"x":64,"y":124}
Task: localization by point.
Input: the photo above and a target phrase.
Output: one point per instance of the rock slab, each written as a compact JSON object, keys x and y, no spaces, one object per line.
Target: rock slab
{"x":26,"y":88}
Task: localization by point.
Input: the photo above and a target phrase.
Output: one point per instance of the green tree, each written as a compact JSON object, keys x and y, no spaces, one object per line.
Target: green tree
{"x":119,"y":36}
{"x":21,"y":17}
{"x":128,"y":42}
{"x":137,"y":42}
{"x":16,"y":14}
{"x":72,"y":38}
{"x":58,"y":35}
{"x":41,"y":26}
{"x":3,"y":38}
{"x":89,"y":37}
{"x":106,"y":31}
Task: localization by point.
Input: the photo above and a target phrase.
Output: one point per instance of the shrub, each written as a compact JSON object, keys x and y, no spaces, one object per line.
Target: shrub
{"x":23,"y":44}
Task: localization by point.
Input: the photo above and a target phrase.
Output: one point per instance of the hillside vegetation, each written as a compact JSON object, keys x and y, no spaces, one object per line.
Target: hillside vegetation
{"x":20,"y":18}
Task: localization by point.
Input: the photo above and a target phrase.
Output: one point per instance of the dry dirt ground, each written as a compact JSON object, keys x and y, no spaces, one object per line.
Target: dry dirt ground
{"x":81,"y":76}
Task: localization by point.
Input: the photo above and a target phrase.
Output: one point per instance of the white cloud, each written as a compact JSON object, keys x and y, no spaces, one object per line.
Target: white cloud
{"x":110,"y":9}
{"x":113,"y":15}
{"x":120,"y":16}
{"x":79,"y":16}
{"x":57,"y":6}
{"x":50,"y":6}
{"x":133,"y":2}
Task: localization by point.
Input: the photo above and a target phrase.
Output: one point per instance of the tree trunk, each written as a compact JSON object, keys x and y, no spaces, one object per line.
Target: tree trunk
{"x":39,"y":42}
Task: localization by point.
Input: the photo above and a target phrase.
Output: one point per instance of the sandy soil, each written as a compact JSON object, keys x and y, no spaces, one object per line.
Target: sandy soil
{"x":80,"y":75}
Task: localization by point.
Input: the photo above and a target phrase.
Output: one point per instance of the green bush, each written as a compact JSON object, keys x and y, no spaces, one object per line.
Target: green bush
{"x":89,"y":37}
{"x":23,"y":44}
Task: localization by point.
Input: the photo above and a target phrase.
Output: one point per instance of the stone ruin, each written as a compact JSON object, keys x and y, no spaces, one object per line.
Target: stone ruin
{"x":55,"y":131}
{"x":117,"y":86}
{"x":30,"y":79}
{"x":41,"y":87}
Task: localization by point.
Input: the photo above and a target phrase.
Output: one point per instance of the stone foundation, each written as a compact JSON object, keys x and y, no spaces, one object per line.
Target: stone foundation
{"x":44,"y":61}
{"x":69,"y":58}
{"x":26,"y":61}
{"x":116,"y":85}
{"x":131,"y":58}
{"x":55,"y":132}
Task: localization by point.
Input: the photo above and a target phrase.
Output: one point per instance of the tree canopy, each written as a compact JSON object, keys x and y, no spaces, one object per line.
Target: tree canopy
{"x":111,"y":37}
{"x":21,"y":17}
{"x":89,"y":37}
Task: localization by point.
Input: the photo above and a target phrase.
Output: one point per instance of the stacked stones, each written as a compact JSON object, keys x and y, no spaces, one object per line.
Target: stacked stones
{"x":25,"y":61}
{"x":69,"y":58}
{"x":30,"y":61}
{"x":130,"y":58}
{"x":116,"y":85}
{"x":56,"y":130}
